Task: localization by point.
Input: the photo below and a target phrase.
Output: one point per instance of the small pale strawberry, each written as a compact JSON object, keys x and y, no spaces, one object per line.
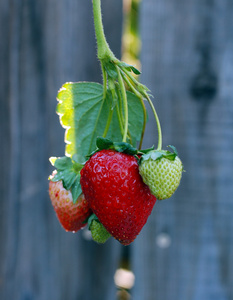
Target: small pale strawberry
{"x":99,"y":232}
{"x":71,"y":215}
{"x":161,"y":171}
{"x":66,"y":194}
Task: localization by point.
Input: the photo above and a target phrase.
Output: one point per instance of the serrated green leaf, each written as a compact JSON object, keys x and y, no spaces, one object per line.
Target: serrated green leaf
{"x":83,"y":113}
{"x":63,"y":163}
{"x":52,"y":160}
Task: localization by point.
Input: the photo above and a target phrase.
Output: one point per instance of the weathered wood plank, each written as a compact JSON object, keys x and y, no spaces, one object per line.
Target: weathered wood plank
{"x":44,"y":44}
{"x":185,"y":249}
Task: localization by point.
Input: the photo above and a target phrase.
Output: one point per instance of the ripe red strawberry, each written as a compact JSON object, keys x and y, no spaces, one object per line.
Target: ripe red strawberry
{"x":116,"y":193}
{"x":71,"y":215}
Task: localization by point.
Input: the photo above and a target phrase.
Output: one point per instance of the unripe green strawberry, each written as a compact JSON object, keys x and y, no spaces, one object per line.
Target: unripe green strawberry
{"x":99,"y":232}
{"x":161,"y":171}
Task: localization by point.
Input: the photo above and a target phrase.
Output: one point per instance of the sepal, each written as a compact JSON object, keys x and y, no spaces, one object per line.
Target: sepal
{"x":158,"y":154}
{"x":107,"y":144}
{"x":68,"y":171}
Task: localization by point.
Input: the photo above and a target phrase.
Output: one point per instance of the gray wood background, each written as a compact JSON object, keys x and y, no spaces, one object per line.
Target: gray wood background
{"x":185,"y":251}
{"x":186,"y":248}
{"x":44,"y":44}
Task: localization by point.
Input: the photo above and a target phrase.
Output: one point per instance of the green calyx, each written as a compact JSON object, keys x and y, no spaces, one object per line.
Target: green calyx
{"x":98,"y":231}
{"x":68,"y":170}
{"x":107,"y":144}
{"x":158,"y":154}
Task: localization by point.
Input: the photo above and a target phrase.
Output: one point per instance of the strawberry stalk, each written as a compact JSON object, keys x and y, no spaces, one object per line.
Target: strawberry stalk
{"x":104,"y":73}
{"x":115,"y":71}
{"x":159,"y":146}
{"x":141,"y":91}
{"x":131,"y":86}
{"x":103,"y":50}
{"x":125,"y":104}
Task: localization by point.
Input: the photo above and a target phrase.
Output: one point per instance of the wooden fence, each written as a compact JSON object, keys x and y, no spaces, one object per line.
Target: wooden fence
{"x":186,"y":249}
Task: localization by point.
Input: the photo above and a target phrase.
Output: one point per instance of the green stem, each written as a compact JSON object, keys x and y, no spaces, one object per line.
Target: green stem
{"x":125,"y":104}
{"x":132,"y":82}
{"x":159,"y":147}
{"x":130,"y":85}
{"x":131,"y":77}
{"x":103,"y":50}
{"x":104,"y":73}
{"x":119,"y":110}
{"x":119,"y":116}
{"x":144,"y":122}
{"x":108,"y":122}
{"x":142,"y":103}
{"x":105,"y":54}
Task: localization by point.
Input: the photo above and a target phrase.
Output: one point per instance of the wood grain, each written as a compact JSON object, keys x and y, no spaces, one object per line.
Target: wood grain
{"x":187,"y":61}
{"x":44,"y":44}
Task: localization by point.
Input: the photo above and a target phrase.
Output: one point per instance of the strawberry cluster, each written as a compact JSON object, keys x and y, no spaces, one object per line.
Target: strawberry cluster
{"x":115,"y":189}
{"x":116,"y":197}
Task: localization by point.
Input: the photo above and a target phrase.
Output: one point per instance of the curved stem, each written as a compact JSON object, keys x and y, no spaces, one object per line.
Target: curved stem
{"x":120,"y":119}
{"x":159,"y":147}
{"x":130,"y":85}
{"x":108,"y":122}
{"x":104,"y":73}
{"x":119,"y":110}
{"x":103,"y":49}
{"x":130,"y":138}
{"x":131,"y":81}
{"x":131,"y":77}
{"x":144,"y":122}
{"x":142,"y":103}
{"x":125,"y":105}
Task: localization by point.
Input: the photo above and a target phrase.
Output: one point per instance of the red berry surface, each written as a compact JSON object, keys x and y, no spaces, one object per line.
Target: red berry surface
{"x":70,"y":215}
{"x":116,"y":193}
